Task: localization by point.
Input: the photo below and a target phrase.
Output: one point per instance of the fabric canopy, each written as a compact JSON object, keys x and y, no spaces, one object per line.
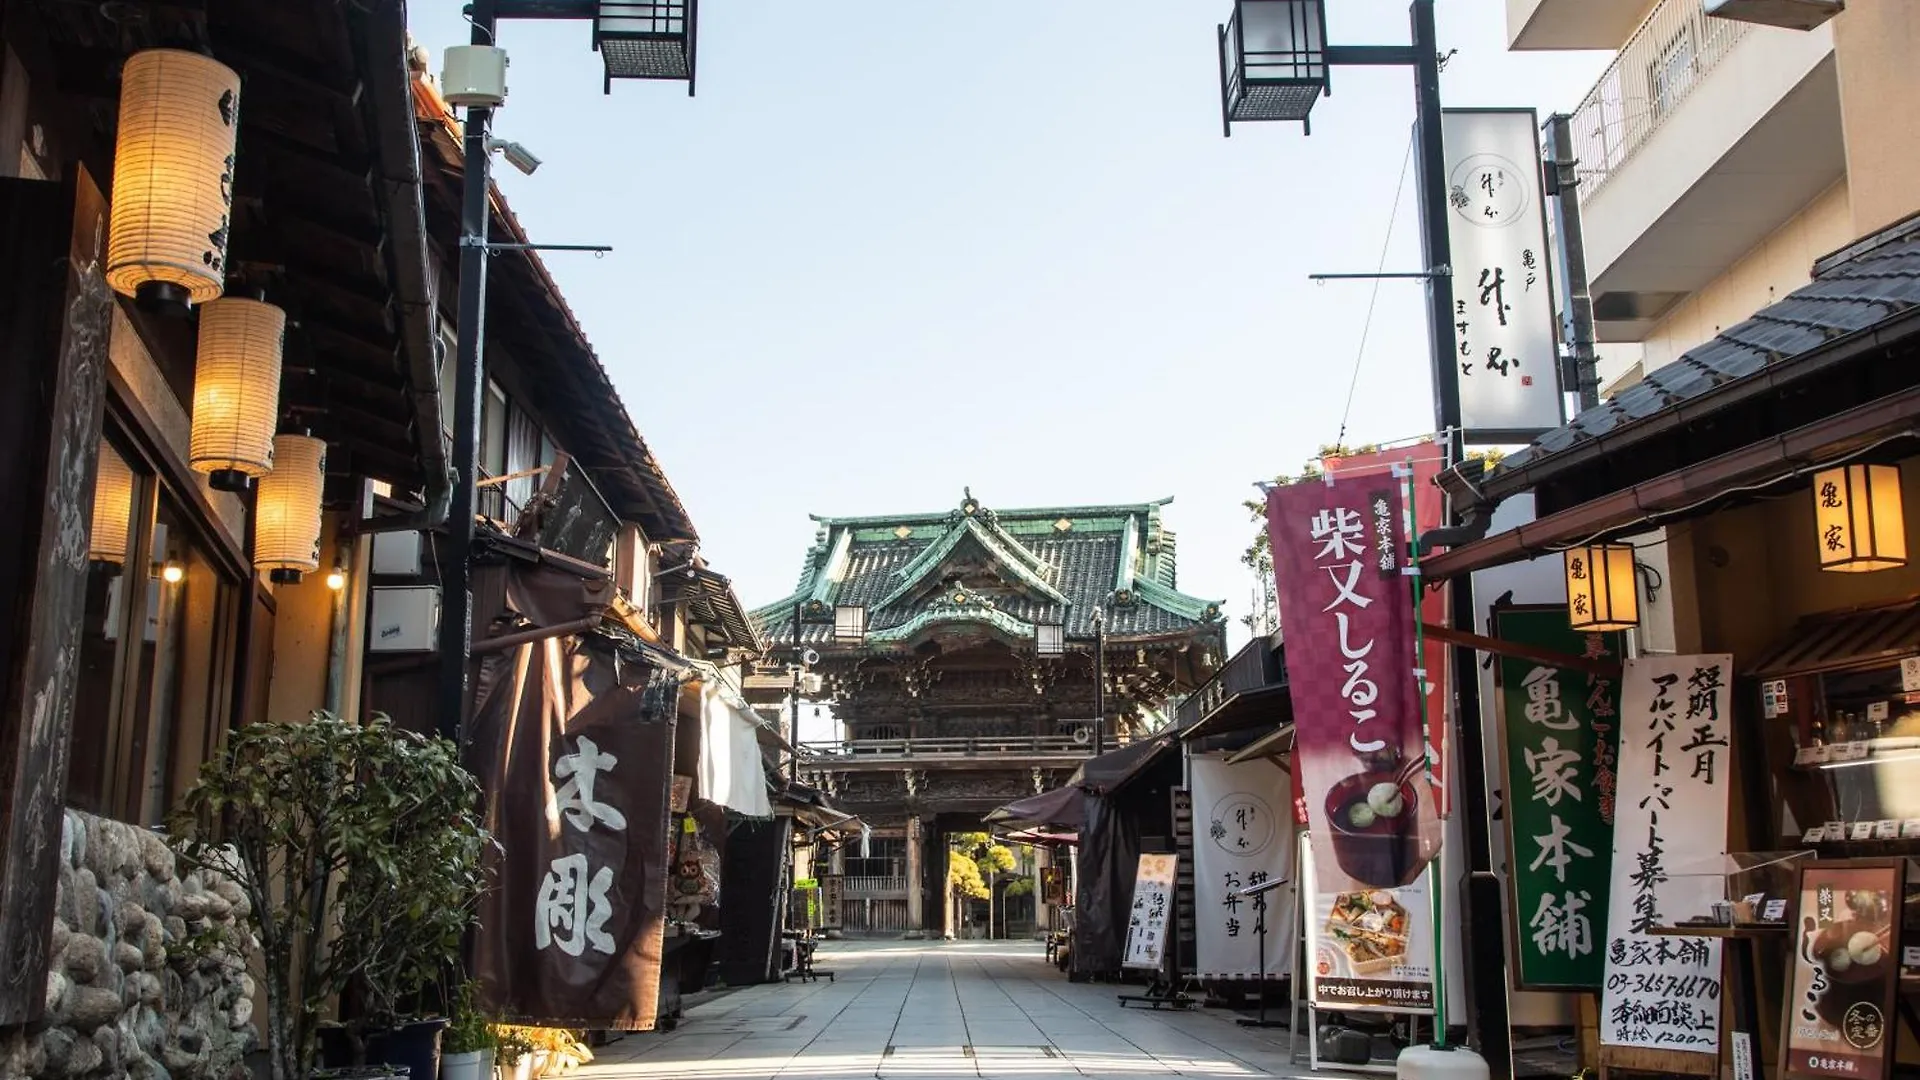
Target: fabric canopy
{"x":1061,"y":806}
{"x":731,"y":772}
{"x":1112,"y":770}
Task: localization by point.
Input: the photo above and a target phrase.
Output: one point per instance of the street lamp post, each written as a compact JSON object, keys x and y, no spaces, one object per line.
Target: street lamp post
{"x":1099,"y":681}
{"x":669,"y":35}
{"x":1274,"y":63}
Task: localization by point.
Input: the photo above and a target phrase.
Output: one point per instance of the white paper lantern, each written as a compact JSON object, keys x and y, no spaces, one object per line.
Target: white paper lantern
{"x":173,"y":177}
{"x":236,"y":390}
{"x":112,"y":508}
{"x":286,"y":515}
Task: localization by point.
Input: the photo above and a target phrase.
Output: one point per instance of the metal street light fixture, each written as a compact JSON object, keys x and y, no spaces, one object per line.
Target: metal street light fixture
{"x":1049,"y":639}
{"x":1273,"y":60}
{"x":647,"y":39}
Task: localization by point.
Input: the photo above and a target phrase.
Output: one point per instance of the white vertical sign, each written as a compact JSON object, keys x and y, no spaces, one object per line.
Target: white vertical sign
{"x":1243,"y":836}
{"x":1148,"y":917}
{"x":1503,"y":327}
{"x":1670,"y":816}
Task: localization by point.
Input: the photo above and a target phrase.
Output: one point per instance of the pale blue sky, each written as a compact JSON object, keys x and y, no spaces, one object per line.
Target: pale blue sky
{"x":896,"y":247}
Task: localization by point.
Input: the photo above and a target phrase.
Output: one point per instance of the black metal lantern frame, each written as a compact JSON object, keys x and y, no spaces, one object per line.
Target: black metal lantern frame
{"x":647,"y":39}
{"x":1273,"y":61}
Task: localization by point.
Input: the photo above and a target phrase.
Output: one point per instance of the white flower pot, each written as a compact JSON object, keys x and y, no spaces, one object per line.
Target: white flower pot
{"x":520,"y":1070}
{"x":473,"y":1065}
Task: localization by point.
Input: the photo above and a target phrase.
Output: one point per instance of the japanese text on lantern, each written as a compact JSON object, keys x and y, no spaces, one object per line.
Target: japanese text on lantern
{"x":572,"y":910}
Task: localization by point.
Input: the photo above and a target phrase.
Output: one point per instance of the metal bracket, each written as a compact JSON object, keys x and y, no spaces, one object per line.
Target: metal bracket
{"x":1423,"y":275}
{"x":470,"y":241}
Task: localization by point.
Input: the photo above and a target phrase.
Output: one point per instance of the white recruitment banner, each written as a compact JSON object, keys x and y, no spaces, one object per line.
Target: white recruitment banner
{"x":1147,"y":918}
{"x":1503,"y":324}
{"x":1243,"y":836}
{"x":1670,"y":816}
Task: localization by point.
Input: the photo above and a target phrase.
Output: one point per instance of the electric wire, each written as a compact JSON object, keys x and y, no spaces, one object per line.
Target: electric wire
{"x":1366,"y":328}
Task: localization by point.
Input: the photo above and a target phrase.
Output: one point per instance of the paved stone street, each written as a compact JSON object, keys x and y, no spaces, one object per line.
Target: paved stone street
{"x":928,"y":1009}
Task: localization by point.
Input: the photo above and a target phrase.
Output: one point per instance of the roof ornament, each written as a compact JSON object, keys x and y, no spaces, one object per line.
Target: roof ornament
{"x":968,"y":505}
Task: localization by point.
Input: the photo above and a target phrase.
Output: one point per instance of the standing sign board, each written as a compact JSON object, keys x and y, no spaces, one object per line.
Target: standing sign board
{"x":1360,"y":749}
{"x":1670,"y":812}
{"x":1846,"y":971}
{"x":1246,"y":838}
{"x":1147,"y":918}
{"x":1563,"y":742}
{"x":1503,"y":325}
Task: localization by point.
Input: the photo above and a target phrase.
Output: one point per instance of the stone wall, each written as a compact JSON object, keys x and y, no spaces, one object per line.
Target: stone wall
{"x":134,"y":987}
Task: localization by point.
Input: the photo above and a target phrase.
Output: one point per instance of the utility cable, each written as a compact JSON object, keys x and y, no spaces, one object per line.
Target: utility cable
{"x":1366,"y":328}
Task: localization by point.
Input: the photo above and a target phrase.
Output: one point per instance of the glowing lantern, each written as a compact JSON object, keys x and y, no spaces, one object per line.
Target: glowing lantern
{"x":1602,"y":593}
{"x":236,"y":391}
{"x":286,"y":514}
{"x":112,"y":507}
{"x":1858,"y":520}
{"x":173,"y":178}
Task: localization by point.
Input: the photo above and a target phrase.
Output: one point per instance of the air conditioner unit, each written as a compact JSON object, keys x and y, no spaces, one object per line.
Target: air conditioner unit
{"x":404,"y":619}
{"x":1791,"y":14}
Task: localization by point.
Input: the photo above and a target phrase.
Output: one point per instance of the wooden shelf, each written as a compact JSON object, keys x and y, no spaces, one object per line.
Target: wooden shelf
{"x":1741,"y":930}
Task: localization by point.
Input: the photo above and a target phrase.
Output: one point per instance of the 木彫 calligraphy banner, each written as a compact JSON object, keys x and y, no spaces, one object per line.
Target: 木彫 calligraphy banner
{"x":1563,"y":743}
{"x":576,"y":753}
{"x":1359,"y":744}
{"x":1503,"y":323}
{"x":1147,"y":916}
{"x":1669,"y":830}
{"x":1421,"y":463}
{"x":1243,"y":836}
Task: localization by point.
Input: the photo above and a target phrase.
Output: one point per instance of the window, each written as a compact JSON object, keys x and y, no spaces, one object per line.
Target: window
{"x":157,"y":648}
{"x":493,"y":451}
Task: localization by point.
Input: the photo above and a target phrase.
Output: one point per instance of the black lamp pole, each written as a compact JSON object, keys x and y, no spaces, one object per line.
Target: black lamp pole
{"x":793,"y":733}
{"x":1099,"y":681}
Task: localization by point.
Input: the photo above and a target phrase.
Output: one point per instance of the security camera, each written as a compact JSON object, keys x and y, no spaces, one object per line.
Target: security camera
{"x":809,"y":658}
{"x":517,"y":155}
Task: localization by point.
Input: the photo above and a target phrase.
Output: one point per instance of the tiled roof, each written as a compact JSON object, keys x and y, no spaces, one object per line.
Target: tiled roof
{"x":1852,"y":291}
{"x":1053,"y":574}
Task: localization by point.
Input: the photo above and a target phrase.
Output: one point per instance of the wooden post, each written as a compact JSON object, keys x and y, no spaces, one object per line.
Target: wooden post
{"x":55,"y":319}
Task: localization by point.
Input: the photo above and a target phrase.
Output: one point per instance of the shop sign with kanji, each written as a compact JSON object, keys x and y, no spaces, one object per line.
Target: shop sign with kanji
{"x":1562,"y":731}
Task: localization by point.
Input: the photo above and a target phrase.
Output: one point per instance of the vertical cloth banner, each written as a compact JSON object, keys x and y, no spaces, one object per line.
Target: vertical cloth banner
{"x":1670,"y":815}
{"x":1244,"y":836}
{"x":1147,"y":917}
{"x":1503,"y":322}
{"x":576,"y":751}
{"x":1359,"y":748}
{"x":1563,"y":745}
{"x":1423,"y":461}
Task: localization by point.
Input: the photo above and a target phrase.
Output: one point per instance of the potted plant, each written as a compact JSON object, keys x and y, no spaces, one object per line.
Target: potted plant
{"x":513,"y":1054}
{"x":467,"y":1045}
{"x":358,"y":847}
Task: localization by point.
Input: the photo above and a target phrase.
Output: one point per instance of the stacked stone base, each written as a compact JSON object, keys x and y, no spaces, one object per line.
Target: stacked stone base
{"x":145,"y":980}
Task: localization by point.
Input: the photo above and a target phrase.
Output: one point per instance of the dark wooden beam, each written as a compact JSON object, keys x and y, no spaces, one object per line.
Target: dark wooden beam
{"x":1521,"y":652}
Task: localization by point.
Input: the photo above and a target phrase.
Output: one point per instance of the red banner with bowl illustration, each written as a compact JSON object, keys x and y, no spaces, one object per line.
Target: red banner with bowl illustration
{"x":1846,"y":969}
{"x":1346,"y":612}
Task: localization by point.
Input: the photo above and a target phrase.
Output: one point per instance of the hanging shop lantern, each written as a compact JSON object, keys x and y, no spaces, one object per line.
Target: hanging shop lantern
{"x":1602,"y":591}
{"x":1858,"y":519}
{"x":236,"y":391}
{"x":173,"y":178}
{"x":647,"y":39}
{"x":1273,"y":60}
{"x":112,"y":507}
{"x":286,"y":530}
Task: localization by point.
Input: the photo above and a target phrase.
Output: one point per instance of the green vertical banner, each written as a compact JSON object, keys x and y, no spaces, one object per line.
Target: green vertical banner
{"x":1562,"y":734}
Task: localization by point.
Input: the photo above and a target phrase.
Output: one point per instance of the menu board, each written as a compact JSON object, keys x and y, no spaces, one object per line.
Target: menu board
{"x":1147,"y":919}
{"x":1371,"y":949}
{"x":1846,"y":968}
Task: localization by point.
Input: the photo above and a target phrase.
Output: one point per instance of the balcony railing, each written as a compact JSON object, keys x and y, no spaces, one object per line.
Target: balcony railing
{"x":948,"y":748}
{"x":860,"y":888}
{"x":1673,"y":52}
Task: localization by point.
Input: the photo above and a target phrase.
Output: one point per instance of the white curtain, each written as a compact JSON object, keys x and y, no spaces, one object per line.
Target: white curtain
{"x":1243,"y":834}
{"x":731,"y":773}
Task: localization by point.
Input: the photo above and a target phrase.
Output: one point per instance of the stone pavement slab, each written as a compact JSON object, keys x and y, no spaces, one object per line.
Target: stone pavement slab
{"x":942,"y":1011}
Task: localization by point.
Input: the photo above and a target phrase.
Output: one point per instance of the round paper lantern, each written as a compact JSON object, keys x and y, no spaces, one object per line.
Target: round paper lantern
{"x":173,"y":177}
{"x":236,"y":391}
{"x":286,"y":514}
{"x":112,"y":507}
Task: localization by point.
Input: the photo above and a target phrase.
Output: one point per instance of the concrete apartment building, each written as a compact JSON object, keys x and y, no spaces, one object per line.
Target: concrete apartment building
{"x":1719,"y":158}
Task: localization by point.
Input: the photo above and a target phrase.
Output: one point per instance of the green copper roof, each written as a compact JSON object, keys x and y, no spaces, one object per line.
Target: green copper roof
{"x":1042,"y":565}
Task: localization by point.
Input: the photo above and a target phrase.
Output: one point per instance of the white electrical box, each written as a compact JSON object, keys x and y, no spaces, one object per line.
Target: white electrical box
{"x":474,"y":76}
{"x":1791,"y":14}
{"x":404,"y":619}
{"x":396,"y":553}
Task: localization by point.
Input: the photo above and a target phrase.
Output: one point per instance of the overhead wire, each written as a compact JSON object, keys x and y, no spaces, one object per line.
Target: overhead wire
{"x":1366,"y":327}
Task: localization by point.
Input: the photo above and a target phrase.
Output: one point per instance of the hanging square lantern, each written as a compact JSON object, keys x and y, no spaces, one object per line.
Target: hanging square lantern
{"x":1273,"y":60}
{"x":1050,"y":639}
{"x":1602,"y":591}
{"x":849,"y":623}
{"x":172,"y":178}
{"x":286,"y":512}
{"x":1859,"y":522}
{"x":647,"y":39}
{"x":236,"y":391}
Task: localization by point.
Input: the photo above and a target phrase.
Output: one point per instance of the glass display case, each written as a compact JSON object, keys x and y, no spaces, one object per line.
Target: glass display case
{"x":1739,"y":889}
{"x":1849,"y":768}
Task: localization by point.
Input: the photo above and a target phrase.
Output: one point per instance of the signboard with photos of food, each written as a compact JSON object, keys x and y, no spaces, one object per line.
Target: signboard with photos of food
{"x":1371,"y":948}
{"x":1846,"y":969}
